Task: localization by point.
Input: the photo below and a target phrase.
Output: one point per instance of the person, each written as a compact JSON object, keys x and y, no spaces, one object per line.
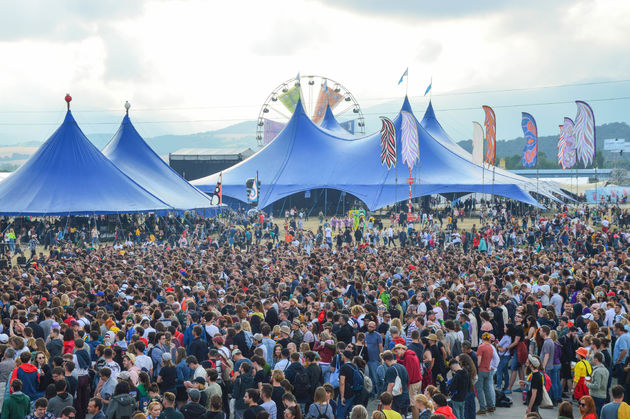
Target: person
{"x":565,"y":410}
{"x":409,"y":360}
{"x":535,"y":385}
{"x":598,"y":384}
{"x":68,"y":413}
{"x":28,"y":374}
{"x":397,"y":382}
{"x":122,"y":404}
{"x":95,"y":408}
{"x":586,"y":406}
{"x":620,"y":352}
{"x":215,"y":411}
{"x":458,"y":389}
{"x":243,"y":381}
{"x":167,"y":375}
{"x":320,"y":406}
{"x":442,"y":407}
{"x":374,"y":344}
{"x":292,"y":412}
{"x":485,"y":388}
{"x":18,"y":404}
{"x":386,"y":400}
{"x":617,"y":408}
{"x":154,"y":410}
{"x":424,"y":406}
{"x":346,"y":382}
{"x":251,"y":401}
{"x":582,"y":370}
{"x":169,"y":411}
{"x":377,"y":414}
{"x":40,"y":410}
{"x":193,"y":409}
{"x":61,"y":400}
{"x":268,"y":404}
{"x":6,"y":368}
{"x":359,"y":412}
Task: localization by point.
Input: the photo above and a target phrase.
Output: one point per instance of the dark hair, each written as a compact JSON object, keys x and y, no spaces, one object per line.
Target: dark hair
{"x":267,"y":390}
{"x":599,"y":357}
{"x":60,"y":385}
{"x":68,"y":410}
{"x":617,"y":391}
{"x":252,"y":393}
{"x":41,"y":402}
{"x":566,"y":409}
{"x":440,"y":399}
{"x":97,"y":402}
{"x":16,"y":385}
{"x":386,"y":398}
{"x":216,"y":403}
{"x":121,"y":388}
{"x":192,"y":360}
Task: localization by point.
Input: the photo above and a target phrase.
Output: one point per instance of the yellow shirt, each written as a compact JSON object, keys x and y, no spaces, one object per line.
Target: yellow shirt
{"x":582,"y":369}
{"x":392,"y":414}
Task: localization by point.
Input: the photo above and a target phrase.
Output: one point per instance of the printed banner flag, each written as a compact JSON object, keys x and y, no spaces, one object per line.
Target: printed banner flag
{"x":491,"y":135}
{"x":271,"y":129}
{"x":530,"y":132}
{"x":477,"y":144}
{"x":584,"y":133}
{"x":348,"y":126}
{"x":405,"y":74}
{"x":566,"y":145}
{"x":409,"y":140}
{"x":388,"y":143}
{"x":252,"y":198}
{"x":290,"y":98}
{"x":325,"y":97}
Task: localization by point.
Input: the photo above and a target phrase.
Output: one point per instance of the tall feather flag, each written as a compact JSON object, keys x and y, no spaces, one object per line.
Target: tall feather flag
{"x":566,"y":145}
{"x":388,"y":143}
{"x":491,"y":135}
{"x":477,"y":144}
{"x":409,"y":140}
{"x":530,"y":132}
{"x":584,"y":133}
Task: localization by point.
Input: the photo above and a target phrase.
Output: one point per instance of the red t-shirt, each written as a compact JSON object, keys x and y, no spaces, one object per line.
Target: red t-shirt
{"x":484,"y":357}
{"x":412,"y":364}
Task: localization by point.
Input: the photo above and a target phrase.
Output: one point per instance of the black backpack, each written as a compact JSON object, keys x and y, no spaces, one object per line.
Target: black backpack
{"x":320,"y":414}
{"x":302,"y":383}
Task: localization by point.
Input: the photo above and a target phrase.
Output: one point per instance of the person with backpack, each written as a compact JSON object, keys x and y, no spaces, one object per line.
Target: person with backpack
{"x":122,"y":404}
{"x":397,"y":382}
{"x":582,"y":370}
{"x":409,"y":359}
{"x":299,"y":378}
{"x":347,"y":384}
{"x":320,"y":408}
{"x":315,"y":376}
{"x":535,"y":385}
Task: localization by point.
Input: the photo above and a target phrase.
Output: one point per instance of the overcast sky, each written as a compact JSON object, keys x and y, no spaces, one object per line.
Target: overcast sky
{"x":199,"y":65}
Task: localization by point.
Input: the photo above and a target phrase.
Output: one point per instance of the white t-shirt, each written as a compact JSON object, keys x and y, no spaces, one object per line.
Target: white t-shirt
{"x":143,"y":361}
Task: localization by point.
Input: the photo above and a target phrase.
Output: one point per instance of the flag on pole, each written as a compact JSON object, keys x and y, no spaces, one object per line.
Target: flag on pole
{"x":530,"y":132}
{"x":477,"y":143}
{"x":403,"y":76}
{"x":217,"y":196}
{"x":429,"y":87}
{"x":298,"y":77}
{"x":584,"y":132}
{"x":491,"y":135}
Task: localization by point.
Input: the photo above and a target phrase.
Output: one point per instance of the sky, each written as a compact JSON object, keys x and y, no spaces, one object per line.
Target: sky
{"x":190,"y":66}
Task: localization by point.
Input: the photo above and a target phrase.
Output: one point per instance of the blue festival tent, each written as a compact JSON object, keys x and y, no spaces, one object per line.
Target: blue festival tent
{"x":131,"y":154}
{"x":305,"y":156}
{"x":69,"y":175}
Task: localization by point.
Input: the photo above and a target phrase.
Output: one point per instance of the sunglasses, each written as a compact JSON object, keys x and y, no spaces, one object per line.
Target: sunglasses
{"x":582,"y":404}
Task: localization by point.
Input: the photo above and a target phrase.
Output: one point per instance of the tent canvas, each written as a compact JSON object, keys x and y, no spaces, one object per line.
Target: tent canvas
{"x":305,"y":157}
{"x":69,"y":175}
{"x":131,"y":154}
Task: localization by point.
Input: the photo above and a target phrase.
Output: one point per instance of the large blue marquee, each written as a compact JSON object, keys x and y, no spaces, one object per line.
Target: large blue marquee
{"x":305,"y":156}
{"x":69,"y":175}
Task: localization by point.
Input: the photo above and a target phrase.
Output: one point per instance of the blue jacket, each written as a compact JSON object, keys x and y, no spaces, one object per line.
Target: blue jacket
{"x":27,"y":373}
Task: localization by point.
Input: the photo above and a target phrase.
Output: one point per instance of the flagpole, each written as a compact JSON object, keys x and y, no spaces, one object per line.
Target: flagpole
{"x":407,"y":82}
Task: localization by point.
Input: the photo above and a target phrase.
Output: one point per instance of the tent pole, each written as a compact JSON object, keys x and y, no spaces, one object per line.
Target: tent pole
{"x":325,"y":202}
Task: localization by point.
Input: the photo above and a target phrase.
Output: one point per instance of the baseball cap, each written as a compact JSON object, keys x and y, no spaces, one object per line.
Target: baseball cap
{"x":4,"y":338}
{"x":123,"y":375}
{"x":194,"y":394}
{"x":236,"y":352}
{"x":166,"y":356}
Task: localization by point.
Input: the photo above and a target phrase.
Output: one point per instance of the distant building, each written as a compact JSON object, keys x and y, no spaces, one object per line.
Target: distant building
{"x":195,"y":163}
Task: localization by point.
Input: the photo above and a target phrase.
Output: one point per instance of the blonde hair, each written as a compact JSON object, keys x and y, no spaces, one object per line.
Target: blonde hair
{"x":421,"y":398}
{"x":246,"y":326}
{"x":377,"y":414}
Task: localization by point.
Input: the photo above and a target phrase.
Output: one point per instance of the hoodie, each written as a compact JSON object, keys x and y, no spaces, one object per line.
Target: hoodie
{"x":27,"y":373}
{"x":241,"y":384}
{"x":59,"y":402}
{"x":193,"y":411}
{"x":16,"y":406}
{"x":599,"y":381}
{"x":446,"y":411}
{"x":121,"y":406}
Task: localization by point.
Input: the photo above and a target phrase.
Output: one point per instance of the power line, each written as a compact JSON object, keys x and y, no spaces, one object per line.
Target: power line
{"x":453,"y":93}
{"x":187,"y":121}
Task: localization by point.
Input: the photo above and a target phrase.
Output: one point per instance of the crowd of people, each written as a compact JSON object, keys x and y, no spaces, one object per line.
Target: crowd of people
{"x":249,"y":318}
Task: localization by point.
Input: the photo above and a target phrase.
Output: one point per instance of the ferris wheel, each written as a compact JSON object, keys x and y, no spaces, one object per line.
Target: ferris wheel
{"x":315,"y":92}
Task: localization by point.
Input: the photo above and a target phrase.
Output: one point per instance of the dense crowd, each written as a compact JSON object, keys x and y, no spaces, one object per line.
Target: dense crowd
{"x":254,"y":318}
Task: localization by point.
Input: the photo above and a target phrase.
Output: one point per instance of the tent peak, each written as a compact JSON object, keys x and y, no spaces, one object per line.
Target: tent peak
{"x":429,"y":113}
{"x":68,"y":99}
{"x":127,"y":106}
{"x":406,"y":106}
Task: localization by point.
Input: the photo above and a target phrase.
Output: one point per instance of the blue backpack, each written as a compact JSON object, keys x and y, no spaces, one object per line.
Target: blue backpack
{"x":357,"y":378}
